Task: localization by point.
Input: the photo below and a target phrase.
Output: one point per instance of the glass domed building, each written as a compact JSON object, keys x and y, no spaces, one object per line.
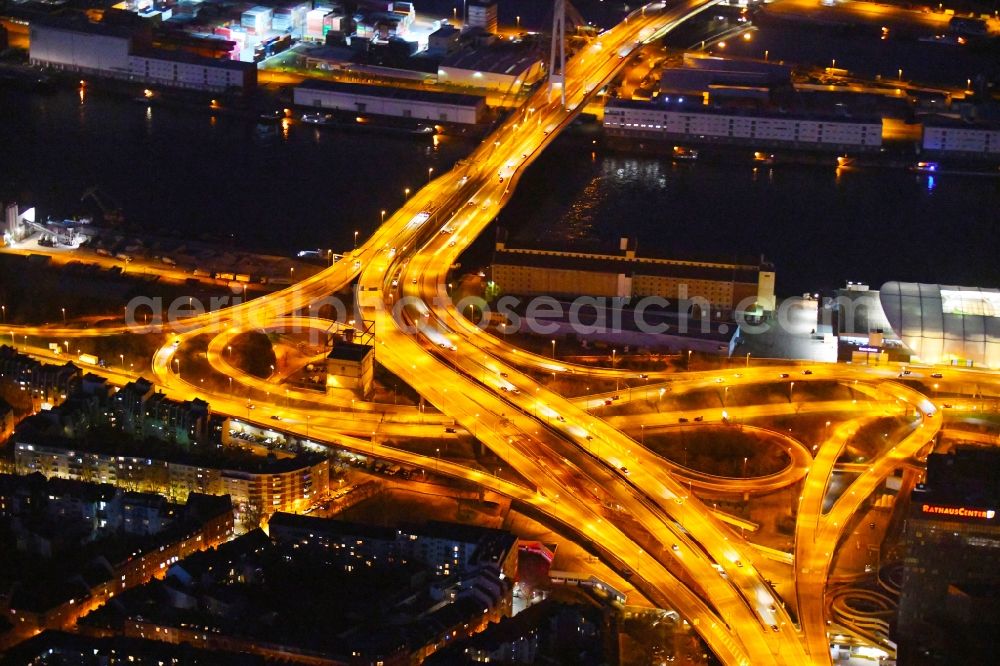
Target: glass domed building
{"x":944,"y":323}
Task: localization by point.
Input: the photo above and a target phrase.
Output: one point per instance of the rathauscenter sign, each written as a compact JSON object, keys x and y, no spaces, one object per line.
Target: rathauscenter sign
{"x":958,"y":511}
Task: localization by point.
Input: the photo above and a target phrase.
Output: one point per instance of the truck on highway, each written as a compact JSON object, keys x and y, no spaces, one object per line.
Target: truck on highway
{"x":419,"y":219}
{"x":89,"y":359}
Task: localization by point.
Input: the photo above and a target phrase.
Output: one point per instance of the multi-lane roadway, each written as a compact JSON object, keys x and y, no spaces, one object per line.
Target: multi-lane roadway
{"x":672,"y":547}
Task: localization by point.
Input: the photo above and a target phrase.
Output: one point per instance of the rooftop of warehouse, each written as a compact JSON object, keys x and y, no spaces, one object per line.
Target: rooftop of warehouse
{"x":499,"y":58}
{"x":453,"y":99}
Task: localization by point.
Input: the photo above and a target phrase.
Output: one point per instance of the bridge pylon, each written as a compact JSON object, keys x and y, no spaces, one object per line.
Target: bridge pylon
{"x":557,"y":58}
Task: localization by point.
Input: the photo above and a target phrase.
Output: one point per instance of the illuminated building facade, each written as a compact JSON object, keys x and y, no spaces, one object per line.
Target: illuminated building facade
{"x":265,"y":486}
{"x":945,"y":324}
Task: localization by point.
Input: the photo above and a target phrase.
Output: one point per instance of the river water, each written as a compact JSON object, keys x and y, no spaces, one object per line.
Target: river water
{"x":182,"y":172}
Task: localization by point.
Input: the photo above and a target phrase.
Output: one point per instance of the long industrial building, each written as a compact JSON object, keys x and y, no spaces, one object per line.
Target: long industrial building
{"x":683,"y":119}
{"x":944,"y":136}
{"x":114,"y":52}
{"x":395,"y":102}
{"x":503,"y":67}
{"x":727,"y":286}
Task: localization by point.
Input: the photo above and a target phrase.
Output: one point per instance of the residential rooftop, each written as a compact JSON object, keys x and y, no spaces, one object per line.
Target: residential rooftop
{"x":34,"y":431}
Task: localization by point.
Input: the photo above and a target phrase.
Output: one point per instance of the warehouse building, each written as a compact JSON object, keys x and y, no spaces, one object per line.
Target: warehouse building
{"x":503,"y":67}
{"x":726,"y":286}
{"x":673,"y":120}
{"x":81,"y":46}
{"x":945,"y":136}
{"x":179,"y":69}
{"x":111,"y":51}
{"x":395,"y":102}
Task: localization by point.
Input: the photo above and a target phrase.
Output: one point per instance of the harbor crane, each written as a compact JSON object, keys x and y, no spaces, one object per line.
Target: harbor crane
{"x":112,"y":215}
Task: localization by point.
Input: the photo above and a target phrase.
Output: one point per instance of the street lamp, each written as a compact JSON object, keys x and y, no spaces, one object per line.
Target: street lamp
{"x":406,"y":193}
{"x":383,"y":217}
{"x":4,"y":308}
{"x":355,"y":239}
{"x":122,"y":357}
{"x":791,"y":387}
{"x":745,"y":466}
{"x":64,"y":315}
{"x":642,"y":434}
{"x":553,"y":350}
{"x":430,"y":170}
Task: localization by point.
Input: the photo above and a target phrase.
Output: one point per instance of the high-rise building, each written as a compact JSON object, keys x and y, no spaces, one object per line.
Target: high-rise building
{"x":482,"y":14}
{"x":948,"y":608}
